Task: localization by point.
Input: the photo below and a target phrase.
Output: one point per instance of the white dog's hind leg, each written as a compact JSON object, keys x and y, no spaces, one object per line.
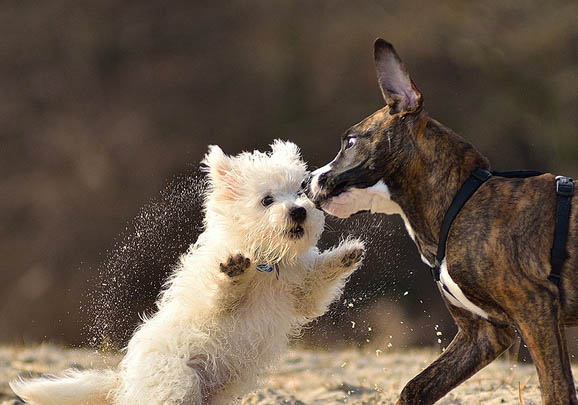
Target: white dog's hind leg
{"x":161,"y":379}
{"x":73,"y":388}
{"x":325,"y":282}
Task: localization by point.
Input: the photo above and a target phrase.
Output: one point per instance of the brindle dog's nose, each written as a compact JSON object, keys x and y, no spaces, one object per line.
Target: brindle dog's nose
{"x":321,"y":180}
{"x":298,"y":214}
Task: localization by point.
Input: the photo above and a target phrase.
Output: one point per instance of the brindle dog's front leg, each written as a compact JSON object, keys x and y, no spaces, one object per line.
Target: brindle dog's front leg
{"x":539,"y":319}
{"x":476,"y":344}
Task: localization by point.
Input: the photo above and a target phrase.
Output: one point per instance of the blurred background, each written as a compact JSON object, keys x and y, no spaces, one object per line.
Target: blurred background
{"x":107,"y":107}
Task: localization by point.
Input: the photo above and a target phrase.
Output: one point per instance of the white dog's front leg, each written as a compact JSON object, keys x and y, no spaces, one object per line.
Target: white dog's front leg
{"x":233,"y":280}
{"x":235,"y":266}
{"x":325,"y":282}
{"x":339,"y":261}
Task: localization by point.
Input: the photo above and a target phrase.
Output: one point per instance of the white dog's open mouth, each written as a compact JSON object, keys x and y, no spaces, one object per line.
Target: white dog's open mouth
{"x":296,"y":232}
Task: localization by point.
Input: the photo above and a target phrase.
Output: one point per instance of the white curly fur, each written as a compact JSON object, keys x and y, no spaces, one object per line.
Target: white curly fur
{"x":214,"y":336}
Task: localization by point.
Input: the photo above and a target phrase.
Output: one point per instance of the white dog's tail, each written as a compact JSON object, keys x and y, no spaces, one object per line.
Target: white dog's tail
{"x":73,"y":388}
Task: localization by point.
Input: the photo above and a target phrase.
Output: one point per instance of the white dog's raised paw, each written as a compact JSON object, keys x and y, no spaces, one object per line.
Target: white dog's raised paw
{"x":235,"y":265}
{"x":351,"y":252}
{"x":352,"y":257}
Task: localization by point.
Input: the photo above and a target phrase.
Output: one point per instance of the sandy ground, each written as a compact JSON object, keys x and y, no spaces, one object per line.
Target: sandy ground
{"x":312,"y":377}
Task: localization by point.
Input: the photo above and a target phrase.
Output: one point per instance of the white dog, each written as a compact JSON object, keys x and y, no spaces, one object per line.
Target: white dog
{"x":250,"y":282}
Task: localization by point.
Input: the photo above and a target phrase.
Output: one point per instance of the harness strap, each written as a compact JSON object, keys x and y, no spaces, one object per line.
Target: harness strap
{"x":564,"y":191}
{"x":559,"y":254}
{"x":518,"y":174}
{"x":476,"y":179}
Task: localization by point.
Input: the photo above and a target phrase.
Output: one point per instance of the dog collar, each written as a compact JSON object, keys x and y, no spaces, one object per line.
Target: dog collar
{"x":266,"y":268}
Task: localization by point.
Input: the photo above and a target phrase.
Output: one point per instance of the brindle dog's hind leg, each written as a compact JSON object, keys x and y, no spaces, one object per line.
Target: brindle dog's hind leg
{"x":539,"y":320}
{"x":476,"y":344}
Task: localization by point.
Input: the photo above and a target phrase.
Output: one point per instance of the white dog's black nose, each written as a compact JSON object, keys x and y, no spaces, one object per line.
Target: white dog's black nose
{"x":298,"y":214}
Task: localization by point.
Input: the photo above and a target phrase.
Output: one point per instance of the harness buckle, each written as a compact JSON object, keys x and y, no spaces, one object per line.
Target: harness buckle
{"x":554,"y":278}
{"x":482,"y":174}
{"x":564,"y":186}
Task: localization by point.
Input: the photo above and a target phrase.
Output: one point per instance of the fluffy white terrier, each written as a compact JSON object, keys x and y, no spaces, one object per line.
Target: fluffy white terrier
{"x":250,"y":282}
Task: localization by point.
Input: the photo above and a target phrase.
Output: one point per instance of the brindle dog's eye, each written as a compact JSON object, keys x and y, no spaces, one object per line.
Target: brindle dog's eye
{"x":349,"y":142}
{"x":267,"y":201}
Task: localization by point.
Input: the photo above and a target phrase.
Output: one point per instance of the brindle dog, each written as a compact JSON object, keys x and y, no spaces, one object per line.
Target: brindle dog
{"x":495,"y":276}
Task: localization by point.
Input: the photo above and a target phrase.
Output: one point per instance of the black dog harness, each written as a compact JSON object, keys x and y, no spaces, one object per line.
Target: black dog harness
{"x":564,"y":192}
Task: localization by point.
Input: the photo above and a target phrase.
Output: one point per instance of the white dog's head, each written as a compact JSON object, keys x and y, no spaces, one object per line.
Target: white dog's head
{"x":257,"y":199}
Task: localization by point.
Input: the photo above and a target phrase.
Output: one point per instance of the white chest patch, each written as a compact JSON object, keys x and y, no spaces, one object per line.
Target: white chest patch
{"x":454,"y":293}
{"x":375,"y":199}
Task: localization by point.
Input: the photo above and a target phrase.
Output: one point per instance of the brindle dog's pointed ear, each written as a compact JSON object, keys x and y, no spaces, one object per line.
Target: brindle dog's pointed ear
{"x":399,"y":91}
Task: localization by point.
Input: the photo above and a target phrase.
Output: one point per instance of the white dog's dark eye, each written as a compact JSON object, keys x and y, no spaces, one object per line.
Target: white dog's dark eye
{"x":349,"y":142}
{"x":267,"y":201}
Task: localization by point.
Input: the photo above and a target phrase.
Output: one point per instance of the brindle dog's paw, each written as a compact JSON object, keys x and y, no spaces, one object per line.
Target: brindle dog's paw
{"x":352,"y":257}
{"x":236,"y":265}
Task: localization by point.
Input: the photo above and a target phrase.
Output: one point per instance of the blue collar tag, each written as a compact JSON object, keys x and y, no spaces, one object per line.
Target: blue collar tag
{"x":265,"y":268}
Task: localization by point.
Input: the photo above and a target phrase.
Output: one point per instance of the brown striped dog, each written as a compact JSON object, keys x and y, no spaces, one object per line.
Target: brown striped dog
{"x":494,"y":278}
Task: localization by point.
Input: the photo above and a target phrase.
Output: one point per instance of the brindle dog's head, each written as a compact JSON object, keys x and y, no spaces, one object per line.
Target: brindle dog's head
{"x":363,"y":175}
